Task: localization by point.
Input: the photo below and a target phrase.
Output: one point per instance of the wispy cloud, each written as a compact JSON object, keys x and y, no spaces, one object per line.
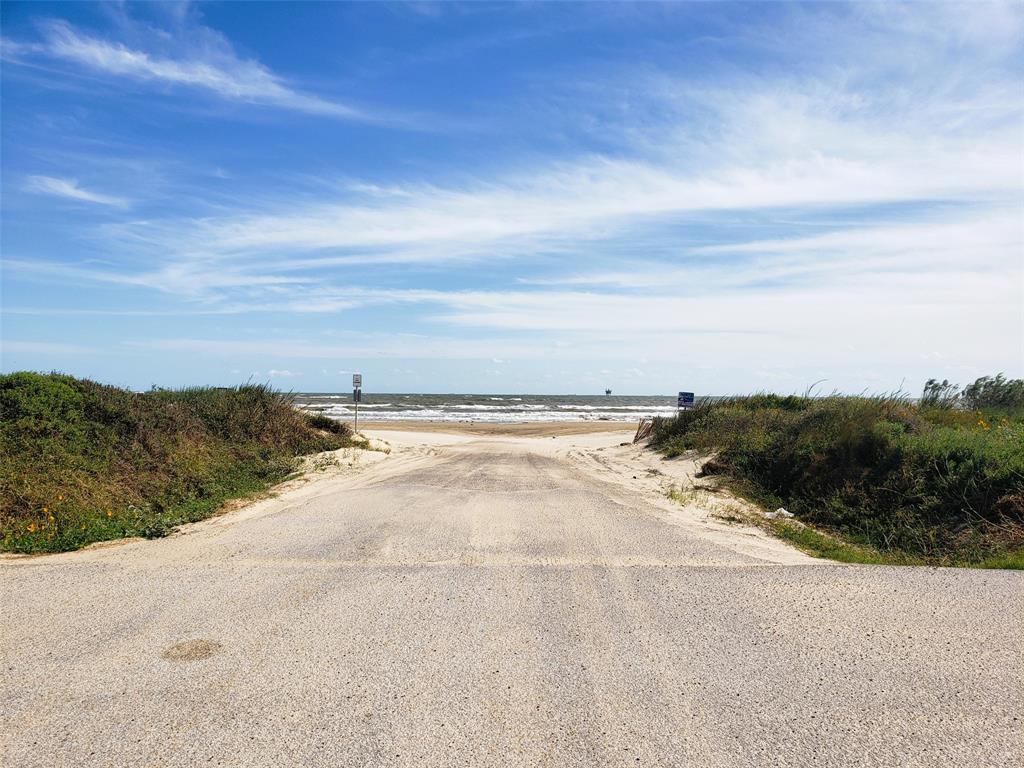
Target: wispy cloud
{"x":872,"y":200}
{"x":191,"y":56}
{"x":71,"y":190}
{"x":817,"y":144}
{"x":218,"y":70}
{"x":47,"y":348}
{"x":875,"y":317}
{"x":986,"y":241}
{"x":751,"y":144}
{"x":176,"y":278}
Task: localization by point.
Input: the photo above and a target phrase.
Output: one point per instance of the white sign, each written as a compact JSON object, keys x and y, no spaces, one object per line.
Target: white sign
{"x":357,"y":380}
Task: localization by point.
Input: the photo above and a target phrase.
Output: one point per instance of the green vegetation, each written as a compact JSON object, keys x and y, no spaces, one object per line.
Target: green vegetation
{"x":877,"y":479}
{"x":82,"y":462}
{"x":820,"y":544}
{"x":992,"y":394}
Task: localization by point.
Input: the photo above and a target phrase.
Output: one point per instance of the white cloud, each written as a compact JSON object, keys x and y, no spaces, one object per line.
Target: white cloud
{"x":922,"y":139}
{"x":198,"y":58}
{"x":180,"y":278}
{"x":46,"y":348}
{"x":757,"y":144}
{"x":590,"y":200}
{"x":70,"y":189}
{"x":989,"y":240}
{"x":889,"y":320}
{"x":815,"y":145}
{"x":274,"y":373}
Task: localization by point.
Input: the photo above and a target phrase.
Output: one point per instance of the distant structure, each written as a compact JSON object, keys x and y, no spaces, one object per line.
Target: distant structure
{"x":607,"y":391}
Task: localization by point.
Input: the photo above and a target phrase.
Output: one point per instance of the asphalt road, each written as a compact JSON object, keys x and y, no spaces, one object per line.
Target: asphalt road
{"x":488,"y":604}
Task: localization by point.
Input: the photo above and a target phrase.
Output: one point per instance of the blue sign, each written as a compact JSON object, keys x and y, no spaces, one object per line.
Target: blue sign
{"x":685,"y":400}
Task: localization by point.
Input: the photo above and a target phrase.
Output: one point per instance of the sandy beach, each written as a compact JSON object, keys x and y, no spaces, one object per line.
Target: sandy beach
{"x":520,"y":429}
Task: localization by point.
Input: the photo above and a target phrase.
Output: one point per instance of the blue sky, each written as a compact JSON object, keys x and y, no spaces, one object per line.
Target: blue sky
{"x":514,"y":198}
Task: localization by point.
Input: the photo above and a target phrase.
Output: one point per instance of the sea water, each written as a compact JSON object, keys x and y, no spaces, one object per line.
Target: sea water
{"x":488,"y":408}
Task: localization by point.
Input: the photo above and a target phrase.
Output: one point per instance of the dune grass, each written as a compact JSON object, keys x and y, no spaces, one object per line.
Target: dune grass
{"x":889,"y":480}
{"x":82,"y":462}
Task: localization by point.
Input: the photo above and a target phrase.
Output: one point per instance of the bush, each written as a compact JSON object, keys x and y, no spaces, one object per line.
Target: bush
{"x":883,"y":472}
{"x":995,"y":393}
{"x":989,"y":393}
{"x":940,"y":394}
{"x":83,"y":462}
{"x":327,"y":424}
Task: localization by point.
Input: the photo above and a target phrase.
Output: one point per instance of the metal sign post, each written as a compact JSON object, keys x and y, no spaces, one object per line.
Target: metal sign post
{"x":357,"y":395}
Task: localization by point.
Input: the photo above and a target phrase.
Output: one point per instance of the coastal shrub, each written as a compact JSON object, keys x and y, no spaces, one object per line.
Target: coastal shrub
{"x":988,"y":393}
{"x":903,"y":478}
{"x":995,"y":393}
{"x":940,"y":394}
{"x":82,"y":462}
{"x":327,"y":424}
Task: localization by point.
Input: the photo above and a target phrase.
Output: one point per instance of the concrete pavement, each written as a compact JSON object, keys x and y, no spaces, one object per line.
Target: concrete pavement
{"x":487,"y":603}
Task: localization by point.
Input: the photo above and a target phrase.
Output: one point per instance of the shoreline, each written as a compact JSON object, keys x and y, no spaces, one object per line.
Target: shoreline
{"x":518,"y":428}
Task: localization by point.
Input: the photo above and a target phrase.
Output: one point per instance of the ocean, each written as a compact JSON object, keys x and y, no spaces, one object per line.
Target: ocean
{"x":488,"y":408}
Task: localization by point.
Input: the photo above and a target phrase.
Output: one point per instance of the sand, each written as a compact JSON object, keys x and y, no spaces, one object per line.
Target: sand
{"x":521,"y":429}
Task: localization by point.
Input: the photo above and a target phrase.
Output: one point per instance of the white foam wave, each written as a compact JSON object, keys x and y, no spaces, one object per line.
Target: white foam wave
{"x":436,"y":414}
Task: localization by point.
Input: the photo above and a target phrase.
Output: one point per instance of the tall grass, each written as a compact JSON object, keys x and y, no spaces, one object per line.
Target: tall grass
{"x":936,"y":483}
{"x":83,"y":462}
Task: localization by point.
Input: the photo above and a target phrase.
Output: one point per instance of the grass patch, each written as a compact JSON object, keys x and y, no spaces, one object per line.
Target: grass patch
{"x":82,"y":462}
{"x":818,"y":544}
{"x":687,"y":496}
{"x":893,"y":480}
{"x":1011,"y":560}
{"x":805,"y":538}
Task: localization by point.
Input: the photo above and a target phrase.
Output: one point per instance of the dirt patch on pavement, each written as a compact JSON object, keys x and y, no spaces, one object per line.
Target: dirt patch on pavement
{"x":191,"y":650}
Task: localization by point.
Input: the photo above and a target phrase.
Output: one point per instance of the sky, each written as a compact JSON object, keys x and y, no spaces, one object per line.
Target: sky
{"x":535,"y":198}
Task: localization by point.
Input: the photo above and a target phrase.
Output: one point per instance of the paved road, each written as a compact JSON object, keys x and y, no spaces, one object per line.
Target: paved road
{"x":486,"y":604}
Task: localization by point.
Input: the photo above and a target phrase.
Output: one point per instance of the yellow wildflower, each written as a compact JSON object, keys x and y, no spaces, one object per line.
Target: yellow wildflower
{"x":31,"y":527}
{"x":109,"y":513}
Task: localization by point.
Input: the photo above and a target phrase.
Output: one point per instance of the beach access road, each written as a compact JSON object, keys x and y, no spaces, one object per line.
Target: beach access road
{"x":496,"y":599}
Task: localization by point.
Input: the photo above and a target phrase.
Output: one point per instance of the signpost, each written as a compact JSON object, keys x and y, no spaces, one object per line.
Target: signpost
{"x":357,"y":396}
{"x":685,"y":401}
